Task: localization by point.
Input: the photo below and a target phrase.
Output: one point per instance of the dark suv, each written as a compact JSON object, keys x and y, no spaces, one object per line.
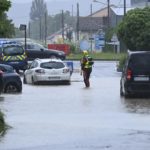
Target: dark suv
{"x":135,"y":79}
{"x":35,"y":50}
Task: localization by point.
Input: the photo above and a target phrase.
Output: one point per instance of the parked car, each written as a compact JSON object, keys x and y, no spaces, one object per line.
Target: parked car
{"x":47,"y":71}
{"x":35,"y":50}
{"x":135,"y":79}
{"x":11,"y":80}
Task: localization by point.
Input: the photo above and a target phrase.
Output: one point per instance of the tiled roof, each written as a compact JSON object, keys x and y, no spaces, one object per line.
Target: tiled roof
{"x":91,"y":23}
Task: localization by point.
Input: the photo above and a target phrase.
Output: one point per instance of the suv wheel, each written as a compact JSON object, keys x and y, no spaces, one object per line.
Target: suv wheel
{"x":126,"y":94}
{"x":12,"y":87}
{"x":121,"y":91}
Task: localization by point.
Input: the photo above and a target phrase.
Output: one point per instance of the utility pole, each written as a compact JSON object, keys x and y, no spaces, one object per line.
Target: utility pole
{"x":77,"y":26}
{"x":91,"y":26}
{"x":124,"y":7}
{"x":108,"y":7}
{"x":45,"y":28}
{"x":40,"y":26}
{"x":62,"y":22}
{"x":72,"y":11}
{"x":29,"y":29}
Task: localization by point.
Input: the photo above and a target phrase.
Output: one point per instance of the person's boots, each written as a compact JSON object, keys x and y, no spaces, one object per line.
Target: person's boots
{"x":87,"y":83}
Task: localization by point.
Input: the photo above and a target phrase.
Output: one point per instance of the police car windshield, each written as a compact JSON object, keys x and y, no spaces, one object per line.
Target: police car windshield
{"x":13,"y":50}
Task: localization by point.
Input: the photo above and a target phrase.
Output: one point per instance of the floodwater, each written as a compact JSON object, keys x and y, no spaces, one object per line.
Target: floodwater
{"x":72,"y":117}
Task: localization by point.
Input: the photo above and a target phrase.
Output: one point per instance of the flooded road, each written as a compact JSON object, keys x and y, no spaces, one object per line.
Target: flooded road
{"x":76,"y":118}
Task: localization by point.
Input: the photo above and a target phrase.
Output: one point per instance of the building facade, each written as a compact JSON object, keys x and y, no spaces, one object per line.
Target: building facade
{"x":140,"y":2}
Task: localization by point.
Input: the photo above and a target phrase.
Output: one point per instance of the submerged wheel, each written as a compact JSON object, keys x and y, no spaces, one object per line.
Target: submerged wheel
{"x":34,"y":82}
{"x":12,"y":88}
{"x":121,"y":91}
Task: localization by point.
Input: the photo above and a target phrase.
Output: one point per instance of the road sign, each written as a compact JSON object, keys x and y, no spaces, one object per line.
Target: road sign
{"x":22,"y":27}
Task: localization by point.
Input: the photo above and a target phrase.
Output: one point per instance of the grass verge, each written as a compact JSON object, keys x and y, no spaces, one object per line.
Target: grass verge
{"x":97,"y":56}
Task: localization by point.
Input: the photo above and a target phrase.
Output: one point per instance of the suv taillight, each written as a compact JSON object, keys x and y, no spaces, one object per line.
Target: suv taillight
{"x":129,"y":74}
{"x":1,"y":72}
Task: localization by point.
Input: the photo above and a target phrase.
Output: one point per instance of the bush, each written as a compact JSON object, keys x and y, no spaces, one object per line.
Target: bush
{"x":121,"y":63}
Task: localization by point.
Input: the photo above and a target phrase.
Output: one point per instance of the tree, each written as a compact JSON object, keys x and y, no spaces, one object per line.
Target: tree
{"x":38,"y":9}
{"x":4,"y":6}
{"x":38,"y":16}
{"x":6,"y":25}
{"x":134,"y":30}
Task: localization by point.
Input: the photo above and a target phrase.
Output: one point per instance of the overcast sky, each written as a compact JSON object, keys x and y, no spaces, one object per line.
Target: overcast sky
{"x":20,"y":10}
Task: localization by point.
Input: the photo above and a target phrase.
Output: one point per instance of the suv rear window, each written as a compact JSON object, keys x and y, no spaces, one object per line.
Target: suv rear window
{"x":52,"y":65}
{"x":140,"y":61}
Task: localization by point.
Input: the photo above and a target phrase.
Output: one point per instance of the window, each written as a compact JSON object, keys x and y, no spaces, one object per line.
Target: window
{"x":140,"y":61}
{"x":13,"y":50}
{"x":52,"y":65}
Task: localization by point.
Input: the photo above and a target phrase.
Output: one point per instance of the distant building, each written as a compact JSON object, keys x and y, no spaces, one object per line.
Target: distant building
{"x":116,"y":15}
{"x":140,"y":3}
{"x":91,"y":30}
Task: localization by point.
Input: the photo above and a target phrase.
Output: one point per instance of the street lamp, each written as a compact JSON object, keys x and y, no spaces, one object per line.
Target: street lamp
{"x":108,"y":8}
{"x":23,"y":27}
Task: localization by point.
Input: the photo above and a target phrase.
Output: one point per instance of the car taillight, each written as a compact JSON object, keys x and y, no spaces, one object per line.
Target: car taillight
{"x":41,"y":71}
{"x":129,"y":74}
{"x":1,"y":72}
{"x":65,"y":70}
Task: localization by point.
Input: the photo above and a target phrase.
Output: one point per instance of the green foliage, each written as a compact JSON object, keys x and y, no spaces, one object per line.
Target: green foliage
{"x":54,"y":24}
{"x":134,"y":30}
{"x":109,"y":34}
{"x":6,"y":27}
{"x":3,"y":126}
{"x":98,"y":56}
{"x":72,"y":48}
{"x":122,"y":61}
{"x":4,"y":5}
{"x":2,"y":122}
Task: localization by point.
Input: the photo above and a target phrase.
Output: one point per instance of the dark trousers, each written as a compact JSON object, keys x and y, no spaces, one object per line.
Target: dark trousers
{"x":86,"y":76}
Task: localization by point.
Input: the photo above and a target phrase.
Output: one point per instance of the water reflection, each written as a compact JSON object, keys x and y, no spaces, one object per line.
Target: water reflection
{"x":1,"y":98}
{"x":138,"y":105}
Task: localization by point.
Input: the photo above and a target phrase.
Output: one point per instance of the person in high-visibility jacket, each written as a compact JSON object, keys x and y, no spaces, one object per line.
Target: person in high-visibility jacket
{"x":86,"y":67}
